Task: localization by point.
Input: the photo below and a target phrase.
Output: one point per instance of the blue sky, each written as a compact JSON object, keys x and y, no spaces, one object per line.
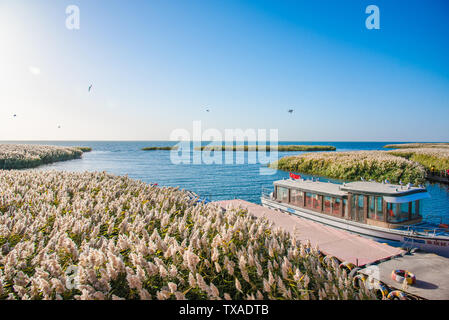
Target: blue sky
{"x":156,"y":66}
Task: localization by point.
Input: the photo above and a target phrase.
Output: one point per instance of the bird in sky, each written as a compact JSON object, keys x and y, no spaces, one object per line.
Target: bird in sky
{"x":15,"y":115}
{"x":207,"y":110}
{"x":290,"y":111}
{"x":90,"y":87}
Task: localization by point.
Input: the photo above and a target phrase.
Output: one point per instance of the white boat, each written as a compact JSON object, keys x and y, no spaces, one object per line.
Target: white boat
{"x":383,"y":211}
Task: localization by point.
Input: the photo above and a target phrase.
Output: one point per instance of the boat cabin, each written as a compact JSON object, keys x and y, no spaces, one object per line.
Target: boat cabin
{"x":372,"y":203}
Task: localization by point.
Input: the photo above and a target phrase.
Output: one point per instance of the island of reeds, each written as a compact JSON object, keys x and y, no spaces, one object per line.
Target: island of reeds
{"x":429,"y":155}
{"x":21,"y":156}
{"x":417,"y":145}
{"x":375,"y":165}
{"x":267,"y":148}
{"x":97,"y":236}
{"x":160,"y":148}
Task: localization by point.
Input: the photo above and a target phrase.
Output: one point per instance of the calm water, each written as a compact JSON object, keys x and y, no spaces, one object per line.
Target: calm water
{"x":214,"y":181}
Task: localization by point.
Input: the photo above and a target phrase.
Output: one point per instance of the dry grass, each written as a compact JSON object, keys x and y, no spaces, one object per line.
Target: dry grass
{"x":97,"y":236}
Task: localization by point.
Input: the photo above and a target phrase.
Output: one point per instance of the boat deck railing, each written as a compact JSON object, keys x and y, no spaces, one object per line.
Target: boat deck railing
{"x":266,"y":192}
{"x":426,"y":229}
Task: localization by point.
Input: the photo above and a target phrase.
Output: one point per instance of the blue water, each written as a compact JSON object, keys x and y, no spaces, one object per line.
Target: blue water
{"x":213,"y":181}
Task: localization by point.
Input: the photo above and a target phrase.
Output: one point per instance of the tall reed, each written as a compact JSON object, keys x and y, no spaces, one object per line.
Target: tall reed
{"x":97,"y":236}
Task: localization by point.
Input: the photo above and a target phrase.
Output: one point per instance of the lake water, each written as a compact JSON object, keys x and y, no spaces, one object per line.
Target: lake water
{"x":213,"y":181}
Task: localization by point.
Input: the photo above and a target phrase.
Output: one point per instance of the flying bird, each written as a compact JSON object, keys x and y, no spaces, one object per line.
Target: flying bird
{"x":290,"y":111}
{"x":207,"y":110}
{"x":90,"y":87}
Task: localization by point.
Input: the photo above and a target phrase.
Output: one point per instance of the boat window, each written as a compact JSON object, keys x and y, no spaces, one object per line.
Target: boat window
{"x":308,"y":199}
{"x":404,"y":211}
{"x":360,"y":202}
{"x":416,"y":209}
{"x":282,"y":194}
{"x":394,"y":213}
{"x":361,"y":212}
{"x":357,"y":208}
{"x":353,"y":207}
{"x":345,"y":207}
{"x":336,"y":206}
{"x":375,"y":209}
{"x":371,"y":207}
{"x":297,"y":197}
{"x":327,"y":205}
{"x":379,"y":209}
{"x":316,"y":200}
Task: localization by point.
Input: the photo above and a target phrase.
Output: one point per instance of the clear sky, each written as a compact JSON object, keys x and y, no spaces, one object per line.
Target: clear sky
{"x":158,"y":65}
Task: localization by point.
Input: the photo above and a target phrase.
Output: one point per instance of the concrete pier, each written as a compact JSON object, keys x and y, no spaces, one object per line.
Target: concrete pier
{"x":331,"y":241}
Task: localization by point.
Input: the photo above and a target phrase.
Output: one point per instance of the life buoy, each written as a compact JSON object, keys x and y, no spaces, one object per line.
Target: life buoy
{"x":380,"y":290}
{"x":397,"y":295}
{"x":401,"y":275}
{"x":346,"y":265}
{"x":329,"y":259}
{"x":358,"y":279}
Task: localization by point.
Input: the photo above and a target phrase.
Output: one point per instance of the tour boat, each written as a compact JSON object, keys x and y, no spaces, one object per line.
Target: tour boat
{"x":383,"y":211}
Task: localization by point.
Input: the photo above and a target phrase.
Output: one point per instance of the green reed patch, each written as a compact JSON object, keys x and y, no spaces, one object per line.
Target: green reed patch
{"x":376,"y":165}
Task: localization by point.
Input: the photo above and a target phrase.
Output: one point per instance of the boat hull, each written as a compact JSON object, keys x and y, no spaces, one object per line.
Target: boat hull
{"x":435,"y":244}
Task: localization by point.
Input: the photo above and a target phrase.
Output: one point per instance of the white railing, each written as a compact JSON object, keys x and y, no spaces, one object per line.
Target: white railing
{"x":427,"y":231}
{"x":267,"y":193}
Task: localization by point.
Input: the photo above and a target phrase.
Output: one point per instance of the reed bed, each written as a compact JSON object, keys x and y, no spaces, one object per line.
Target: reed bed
{"x":84,"y":149}
{"x":375,"y":165}
{"x":417,"y":145}
{"x":428,"y":157}
{"x":20,"y":156}
{"x":160,"y":148}
{"x":97,"y":236}
{"x":267,"y":148}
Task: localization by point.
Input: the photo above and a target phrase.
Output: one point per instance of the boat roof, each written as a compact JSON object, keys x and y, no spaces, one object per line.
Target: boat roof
{"x":380,"y":188}
{"x":313,"y":186}
{"x":353,"y":187}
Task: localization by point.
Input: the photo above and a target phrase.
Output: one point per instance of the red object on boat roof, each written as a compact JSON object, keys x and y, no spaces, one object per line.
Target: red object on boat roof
{"x":295,"y":176}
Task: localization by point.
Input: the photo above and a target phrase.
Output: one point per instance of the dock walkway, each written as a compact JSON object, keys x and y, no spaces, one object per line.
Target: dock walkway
{"x":339,"y":243}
